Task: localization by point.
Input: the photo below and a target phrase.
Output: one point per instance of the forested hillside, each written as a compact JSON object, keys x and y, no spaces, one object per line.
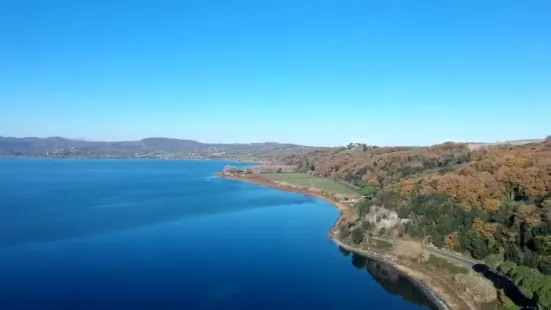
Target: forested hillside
{"x":487,"y":202}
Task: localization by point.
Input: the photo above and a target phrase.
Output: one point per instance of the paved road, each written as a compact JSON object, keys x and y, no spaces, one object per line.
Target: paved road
{"x":443,"y":254}
{"x":457,"y":259}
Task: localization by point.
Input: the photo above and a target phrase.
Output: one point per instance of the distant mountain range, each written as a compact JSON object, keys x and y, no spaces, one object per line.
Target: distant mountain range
{"x":58,"y":147}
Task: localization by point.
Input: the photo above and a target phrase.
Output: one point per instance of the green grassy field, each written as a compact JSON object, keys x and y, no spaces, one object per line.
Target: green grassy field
{"x":308,"y":180}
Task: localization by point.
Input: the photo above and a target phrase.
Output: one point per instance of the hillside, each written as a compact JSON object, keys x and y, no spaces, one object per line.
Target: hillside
{"x":57,"y":147}
{"x":491,"y":202}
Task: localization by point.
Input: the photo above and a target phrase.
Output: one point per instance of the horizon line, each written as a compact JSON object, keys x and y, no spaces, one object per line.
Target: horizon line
{"x":274,"y":142}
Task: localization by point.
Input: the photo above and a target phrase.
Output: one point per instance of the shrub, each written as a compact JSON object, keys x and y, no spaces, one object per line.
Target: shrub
{"x":493,"y":261}
{"x":357,"y":235}
{"x":505,"y":301}
{"x":344,"y":231}
{"x":507,"y":268}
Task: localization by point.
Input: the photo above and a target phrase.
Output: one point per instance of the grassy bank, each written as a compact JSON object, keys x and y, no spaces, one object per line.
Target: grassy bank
{"x":304,"y":179}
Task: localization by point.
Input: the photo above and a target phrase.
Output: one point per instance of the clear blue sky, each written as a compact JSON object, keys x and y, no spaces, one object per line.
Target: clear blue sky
{"x":312,"y":72}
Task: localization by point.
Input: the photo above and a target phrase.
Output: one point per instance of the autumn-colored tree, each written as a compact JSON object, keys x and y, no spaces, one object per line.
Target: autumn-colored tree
{"x":452,"y":242}
{"x":491,"y":204}
{"x":483,"y":229}
{"x":528,"y":214}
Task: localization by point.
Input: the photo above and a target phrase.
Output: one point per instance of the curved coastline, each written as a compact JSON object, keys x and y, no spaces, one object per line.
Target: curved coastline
{"x":438,"y":300}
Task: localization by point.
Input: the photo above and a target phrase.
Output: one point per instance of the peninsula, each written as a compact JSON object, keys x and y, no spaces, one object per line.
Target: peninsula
{"x":470,"y":224}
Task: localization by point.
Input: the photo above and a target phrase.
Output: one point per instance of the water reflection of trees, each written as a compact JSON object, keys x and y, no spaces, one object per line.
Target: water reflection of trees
{"x":390,"y":279}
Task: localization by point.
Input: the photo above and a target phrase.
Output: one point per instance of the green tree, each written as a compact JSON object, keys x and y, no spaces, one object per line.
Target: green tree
{"x":531,"y":283}
{"x":542,"y":245}
{"x":543,"y":296}
{"x":437,"y":239}
{"x":415,"y":231}
{"x":366,"y":225}
{"x":514,"y":254}
{"x":344,"y":231}
{"x":530,"y":259}
{"x":357,"y":235}
{"x":476,"y":245}
{"x":507,"y":268}
{"x":493,"y":261}
{"x":544,"y":264}
{"x":403,"y":212}
{"x":521,"y":273}
{"x":369,"y":190}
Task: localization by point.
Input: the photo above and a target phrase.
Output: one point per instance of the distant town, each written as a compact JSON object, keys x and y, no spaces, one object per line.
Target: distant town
{"x":150,"y":148}
{"x":213,"y":153}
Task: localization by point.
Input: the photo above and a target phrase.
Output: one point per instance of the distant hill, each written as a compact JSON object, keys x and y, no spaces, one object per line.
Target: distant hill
{"x":474,"y":146}
{"x":58,"y":147}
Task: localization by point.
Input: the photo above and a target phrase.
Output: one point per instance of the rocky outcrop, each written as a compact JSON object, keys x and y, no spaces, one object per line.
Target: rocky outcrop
{"x":380,"y":217}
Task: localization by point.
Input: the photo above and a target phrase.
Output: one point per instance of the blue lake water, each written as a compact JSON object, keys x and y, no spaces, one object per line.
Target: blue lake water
{"x":145,"y":234}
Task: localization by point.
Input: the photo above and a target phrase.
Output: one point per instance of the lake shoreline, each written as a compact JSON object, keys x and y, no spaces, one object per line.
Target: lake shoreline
{"x":439,"y":300}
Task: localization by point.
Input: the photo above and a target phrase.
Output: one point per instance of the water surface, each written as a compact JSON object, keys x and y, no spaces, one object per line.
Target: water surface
{"x":144,"y":234}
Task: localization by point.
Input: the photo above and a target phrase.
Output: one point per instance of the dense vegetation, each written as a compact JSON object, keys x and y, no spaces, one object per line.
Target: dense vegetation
{"x":478,"y":200}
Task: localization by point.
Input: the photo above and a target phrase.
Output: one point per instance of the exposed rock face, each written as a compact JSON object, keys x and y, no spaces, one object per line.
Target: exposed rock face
{"x":231,"y":169}
{"x":380,"y":217}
